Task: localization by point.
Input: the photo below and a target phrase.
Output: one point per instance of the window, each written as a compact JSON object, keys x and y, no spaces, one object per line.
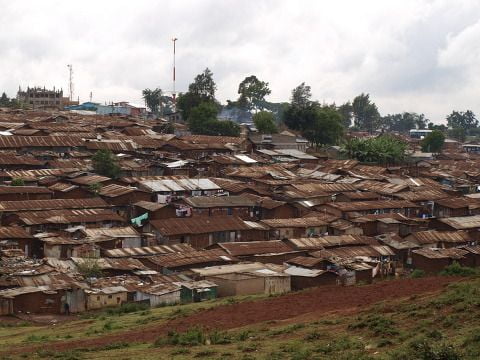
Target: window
{"x":229,"y":211}
{"x":110,"y":296}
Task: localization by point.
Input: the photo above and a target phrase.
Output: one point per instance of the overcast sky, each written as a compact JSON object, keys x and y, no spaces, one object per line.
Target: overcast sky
{"x":420,"y":56}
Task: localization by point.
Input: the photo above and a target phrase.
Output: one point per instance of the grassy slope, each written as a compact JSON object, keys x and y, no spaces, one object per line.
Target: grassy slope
{"x":442,"y":327}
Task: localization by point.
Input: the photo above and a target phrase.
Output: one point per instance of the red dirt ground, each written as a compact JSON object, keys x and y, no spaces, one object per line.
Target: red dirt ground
{"x":316,"y":301}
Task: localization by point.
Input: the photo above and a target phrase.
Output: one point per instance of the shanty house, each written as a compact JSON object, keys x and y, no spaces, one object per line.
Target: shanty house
{"x":295,"y":227}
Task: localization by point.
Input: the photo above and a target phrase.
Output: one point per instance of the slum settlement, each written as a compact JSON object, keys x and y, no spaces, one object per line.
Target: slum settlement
{"x":187,"y":218}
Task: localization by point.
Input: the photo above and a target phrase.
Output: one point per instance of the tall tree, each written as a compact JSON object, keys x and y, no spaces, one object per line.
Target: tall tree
{"x":345,"y":111}
{"x":301,"y":96}
{"x":203,"y":85}
{"x":203,"y":121}
{"x":4,"y":100}
{"x":326,"y":127}
{"x":152,"y":99}
{"x":252,"y":92}
{"x":462,"y":119}
{"x":365,"y":113}
{"x":201,"y":90}
{"x":433,"y":142}
{"x":265,"y":122}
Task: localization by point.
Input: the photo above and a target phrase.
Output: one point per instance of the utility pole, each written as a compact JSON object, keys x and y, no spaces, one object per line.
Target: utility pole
{"x":70,"y":82}
{"x":91,"y":95}
{"x":174,"y":93}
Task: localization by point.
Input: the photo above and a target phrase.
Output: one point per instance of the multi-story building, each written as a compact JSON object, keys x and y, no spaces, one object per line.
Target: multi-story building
{"x":41,"y":98}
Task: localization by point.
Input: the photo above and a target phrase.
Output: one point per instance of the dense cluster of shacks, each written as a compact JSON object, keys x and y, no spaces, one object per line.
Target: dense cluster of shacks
{"x":191,"y":218}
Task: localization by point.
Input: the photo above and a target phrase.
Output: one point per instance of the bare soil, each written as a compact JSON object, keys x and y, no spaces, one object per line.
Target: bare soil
{"x":317,"y":302}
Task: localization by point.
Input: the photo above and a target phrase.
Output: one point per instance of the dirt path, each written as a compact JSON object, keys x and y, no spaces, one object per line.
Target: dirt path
{"x":316,"y":301}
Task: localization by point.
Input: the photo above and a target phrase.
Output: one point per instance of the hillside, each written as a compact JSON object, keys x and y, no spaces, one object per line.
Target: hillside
{"x":426,"y":318}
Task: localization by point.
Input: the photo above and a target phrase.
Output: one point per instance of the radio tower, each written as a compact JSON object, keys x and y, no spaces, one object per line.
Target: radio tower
{"x":70,"y":83}
{"x":174,"y":94}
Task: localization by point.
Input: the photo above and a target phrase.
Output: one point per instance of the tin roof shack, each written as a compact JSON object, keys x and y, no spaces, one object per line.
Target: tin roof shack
{"x":154,"y":210}
{"x":16,"y":237}
{"x":123,"y":197}
{"x":240,"y":206}
{"x":63,"y":190}
{"x":432,"y":261}
{"x":267,"y":208}
{"x":329,"y":241}
{"x":471,"y":224}
{"x":347,"y":210}
{"x":201,"y":232}
{"x":401,"y":247}
{"x":440,"y":239}
{"x":272,"y":251}
{"x":386,"y":223}
{"x":59,"y":247}
{"x":460,"y":206}
{"x":8,"y":193}
{"x":343,"y":227}
{"x":144,"y":251}
{"x":166,"y":190}
{"x":247,"y":279}
{"x":176,"y":262}
{"x":99,"y":298}
{"x":352,"y":196}
{"x":303,"y":278}
{"x":108,"y":266}
{"x":43,"y":299}
{"x":159,"y":294}
{"x":295,"y":227}
{"x":10,"y":209}
{"x":197,"y":291}
{"x":56,"y":220}
{"x":125,"y":237}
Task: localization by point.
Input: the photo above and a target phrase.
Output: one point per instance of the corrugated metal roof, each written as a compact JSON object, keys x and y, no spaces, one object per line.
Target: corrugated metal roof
{"x":90,"y":179}
{"x":331,"y":241}
{"x":462,"y":222}
{"x":150,"y":206}
{"x":114,"y":190}
{"x":148,"y":250}
{"x":433,"y":237}
{"x":451,"y":253}
{"x":255,"y":247}
{"x":69,"y":216}
{"x":14,"y":232}
{"x":52,"y":204}
{"x":23,"y":190}
{"x":219,"y":201}
{"x":372,"y":205}
{"x":294,"y":222}
{"x":179,"y":185}
{"x":192,"y":258}
{"x":113,"y":232}
{"x":198,"y":225}
{"x":39,"y":141}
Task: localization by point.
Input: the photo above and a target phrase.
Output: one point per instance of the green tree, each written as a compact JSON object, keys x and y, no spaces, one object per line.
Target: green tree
{"x":462,"y":119}
{"x":203,"y":121}
{"x":265,"y":122}
{"x":301,"y":96}
{"x":105,"y":163}
{"x":95,"y":188}
{"x":365,"y":113}
{"x":404,"y":122}
{"x":252,"y":92}
{"x":326,"y":128}
{"x":345,"y":111}
{"x":433,"y":142}
{"x":383,"y":149}
{"x":203,"y":86}
{"x":152,"y":99}
{"x":4,"y":100}
{"x":201,"y":90}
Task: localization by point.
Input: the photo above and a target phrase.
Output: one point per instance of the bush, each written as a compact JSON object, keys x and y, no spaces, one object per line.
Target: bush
{"x":378,"y":324}
{"x":127,"y":308}
{"x":192,"y":337}
{"x":455,"y":269}
{"x":417,"y":273}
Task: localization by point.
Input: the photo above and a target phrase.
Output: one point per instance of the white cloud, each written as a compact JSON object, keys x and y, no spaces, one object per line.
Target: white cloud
{"x":411,"y":55}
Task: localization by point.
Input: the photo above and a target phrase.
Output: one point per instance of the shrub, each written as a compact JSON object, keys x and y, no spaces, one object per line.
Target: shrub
{"x":417,"y":273}
{"x":127,"y":308}
{"x":378,"y":324}
{"x":455,"y":269}
{"x":191,"y":337}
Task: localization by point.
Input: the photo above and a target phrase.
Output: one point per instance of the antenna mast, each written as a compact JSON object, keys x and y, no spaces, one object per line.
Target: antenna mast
{"x":174,"y":93}
{"x":70,"y":83}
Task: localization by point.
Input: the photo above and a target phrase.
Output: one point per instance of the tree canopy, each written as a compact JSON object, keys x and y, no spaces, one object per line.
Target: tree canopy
{"x":462,"y":119}
{"x":152,"y":99}
{"x":265,"y":122}
{"x":201,"y":90}
{"x":301,"y":96}
{"x":365,"y":113}
{"x":326,"y":127}
{"x":203,"y":121}
{"x":383,"y":149}
{"x":404,"y":122}
{"x":433,"y":142}
{"x":105,"y":163}
{"x":252,"y":92}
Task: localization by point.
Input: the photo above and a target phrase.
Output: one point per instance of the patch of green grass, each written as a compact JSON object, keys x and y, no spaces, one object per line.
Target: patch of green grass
{"x":377,"y":324}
